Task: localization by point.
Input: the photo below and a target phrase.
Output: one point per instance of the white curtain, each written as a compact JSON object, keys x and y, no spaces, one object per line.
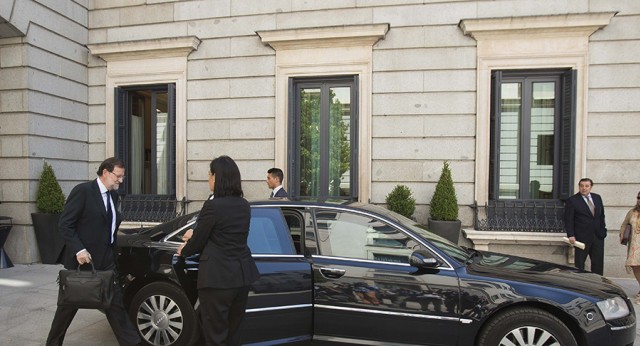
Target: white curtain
{"x":136,"y":165}
{"x":162,"y":153}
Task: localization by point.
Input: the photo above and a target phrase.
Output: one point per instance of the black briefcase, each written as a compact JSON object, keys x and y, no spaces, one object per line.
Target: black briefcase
{"x":86,"y":289}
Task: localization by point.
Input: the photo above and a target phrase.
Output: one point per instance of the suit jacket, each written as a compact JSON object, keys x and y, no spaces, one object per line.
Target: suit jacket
{"x":281,"y":193}
{"x":221,"y":239}
{"x":580,"y":223}
{"x":84,"y":225}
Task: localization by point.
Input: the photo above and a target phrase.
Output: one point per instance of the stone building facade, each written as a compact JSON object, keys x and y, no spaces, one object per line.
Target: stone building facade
{"x":415,"y":82}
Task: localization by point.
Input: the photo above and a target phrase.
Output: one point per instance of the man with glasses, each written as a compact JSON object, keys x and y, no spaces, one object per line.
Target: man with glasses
{"x":89,"y":224}
{"x":584,"y":222}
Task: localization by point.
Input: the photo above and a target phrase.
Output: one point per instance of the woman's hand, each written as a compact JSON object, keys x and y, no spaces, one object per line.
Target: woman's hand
{"x":187,"y":235}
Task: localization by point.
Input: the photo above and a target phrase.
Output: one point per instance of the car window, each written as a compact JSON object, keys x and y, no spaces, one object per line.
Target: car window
{"x":345,"y":234}
{"x":269,"y":233}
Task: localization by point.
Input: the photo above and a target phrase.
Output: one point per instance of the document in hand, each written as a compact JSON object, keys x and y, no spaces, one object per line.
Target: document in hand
{"x":577,"y":244}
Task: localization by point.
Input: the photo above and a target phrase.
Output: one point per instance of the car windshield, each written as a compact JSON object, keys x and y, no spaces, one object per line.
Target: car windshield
{"x":456,"y":252}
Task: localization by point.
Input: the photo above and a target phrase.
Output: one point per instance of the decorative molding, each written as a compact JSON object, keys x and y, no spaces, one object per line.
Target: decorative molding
{"x":587,"y":23}
{"x":145,"y":49}
{"x":483,"y":239}
{"x":332,"y":36}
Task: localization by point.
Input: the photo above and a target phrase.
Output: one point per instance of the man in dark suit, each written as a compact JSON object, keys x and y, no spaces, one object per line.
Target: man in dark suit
{"x":584,"y":222}
{"x":89,"y":224}
{"x":275,"y":176}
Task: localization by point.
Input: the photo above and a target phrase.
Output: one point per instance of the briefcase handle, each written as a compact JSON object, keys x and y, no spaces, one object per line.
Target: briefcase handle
{"x":93,"y":269}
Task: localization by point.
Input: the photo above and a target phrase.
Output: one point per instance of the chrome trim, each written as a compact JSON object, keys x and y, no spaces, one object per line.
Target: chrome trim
{"x":343,"y":340}
{"x":623,"y":327}
{"x":391,"y":313}
{"x":465,"y":321}
{"x":370,"y":261}
{"x":275,"y":308}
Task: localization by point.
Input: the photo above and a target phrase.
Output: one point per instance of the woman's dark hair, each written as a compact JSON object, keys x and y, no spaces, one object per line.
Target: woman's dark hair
{"x":227,"y":177}
{"x":109,"y":164}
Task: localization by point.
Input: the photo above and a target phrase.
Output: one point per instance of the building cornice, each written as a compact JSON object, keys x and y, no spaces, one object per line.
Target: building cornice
{"x":145,"y":49}
{"x":331,"y":36}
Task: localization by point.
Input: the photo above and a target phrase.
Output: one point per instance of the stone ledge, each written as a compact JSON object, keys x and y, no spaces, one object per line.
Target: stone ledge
{"x":483,"y":239}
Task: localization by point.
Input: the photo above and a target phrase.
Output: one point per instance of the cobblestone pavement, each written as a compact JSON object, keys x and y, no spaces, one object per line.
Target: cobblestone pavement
{"x":28,"y":294}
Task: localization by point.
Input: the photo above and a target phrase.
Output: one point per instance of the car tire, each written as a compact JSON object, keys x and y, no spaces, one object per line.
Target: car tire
{"x":525,"y":326}
{"x":163,"y":315}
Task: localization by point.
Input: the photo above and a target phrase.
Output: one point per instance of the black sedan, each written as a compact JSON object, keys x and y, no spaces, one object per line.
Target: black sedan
{"x":360,"y":274}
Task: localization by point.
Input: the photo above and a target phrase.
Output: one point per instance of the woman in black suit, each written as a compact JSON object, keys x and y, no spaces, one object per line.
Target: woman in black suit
{"x":226,"y":268}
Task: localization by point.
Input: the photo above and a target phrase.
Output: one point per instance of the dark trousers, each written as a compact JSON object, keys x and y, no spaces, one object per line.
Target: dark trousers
{"x":595,"y":251}
{"x":116,"y":315}
{"x":221,"y":314}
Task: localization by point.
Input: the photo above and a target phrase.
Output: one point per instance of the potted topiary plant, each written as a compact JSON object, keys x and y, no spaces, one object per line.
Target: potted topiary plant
{"x":49,"y":203}
{"x":443,"y":219}
{"x":401,"y":201}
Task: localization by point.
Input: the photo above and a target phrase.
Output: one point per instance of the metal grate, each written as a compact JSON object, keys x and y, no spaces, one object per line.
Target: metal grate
{"x":520,"y":216}
{"x":152,"y":208}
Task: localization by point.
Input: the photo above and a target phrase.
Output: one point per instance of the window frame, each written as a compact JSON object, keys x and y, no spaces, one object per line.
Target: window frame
{"x":294,"y":130}
{"x":564,"y":129}
{"x":122,"y":132}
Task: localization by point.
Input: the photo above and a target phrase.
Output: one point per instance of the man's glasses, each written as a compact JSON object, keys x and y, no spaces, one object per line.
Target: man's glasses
{"x":119,"y":177}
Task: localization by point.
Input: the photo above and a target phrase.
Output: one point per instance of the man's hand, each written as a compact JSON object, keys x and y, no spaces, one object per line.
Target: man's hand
{"x":572,"y":240}
{"x":83,"y":257}
{"x":180,"y":248}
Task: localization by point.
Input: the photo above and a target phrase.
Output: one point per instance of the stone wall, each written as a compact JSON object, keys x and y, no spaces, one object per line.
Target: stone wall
{"x":43,"y":108}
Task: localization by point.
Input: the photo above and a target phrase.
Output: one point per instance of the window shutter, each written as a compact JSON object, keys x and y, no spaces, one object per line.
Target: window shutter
{"x":568,"y":130}
{"x":121,"y":127}
{"x":494,"y":124}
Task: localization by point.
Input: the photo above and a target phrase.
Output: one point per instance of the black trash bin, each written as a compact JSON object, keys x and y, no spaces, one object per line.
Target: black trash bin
{"x":6,"y":223}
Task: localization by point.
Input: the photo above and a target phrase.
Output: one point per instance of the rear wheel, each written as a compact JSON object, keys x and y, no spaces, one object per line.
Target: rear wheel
{"x":526,"y":326}
{"x":163,"y":315}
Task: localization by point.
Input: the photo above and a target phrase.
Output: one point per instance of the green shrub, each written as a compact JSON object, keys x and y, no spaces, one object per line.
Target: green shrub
{"x":444,"y":203}
{"x":49,"y":198}
{"x":400,"y":201}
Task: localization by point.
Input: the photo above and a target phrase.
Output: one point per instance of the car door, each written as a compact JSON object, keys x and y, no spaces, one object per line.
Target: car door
{"x":364,"y":288}
{"x":283,"y":294}
{"x":280,"y":302}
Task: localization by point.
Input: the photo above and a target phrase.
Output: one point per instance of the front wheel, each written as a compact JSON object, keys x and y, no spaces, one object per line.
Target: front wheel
{"x":163,"y":315}
{"x":526,"y":326}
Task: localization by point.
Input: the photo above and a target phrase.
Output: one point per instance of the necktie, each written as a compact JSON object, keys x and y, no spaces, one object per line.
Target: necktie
{"x":109,"y":214}
{"x":591,"y":206}
{"x":271,"y":196}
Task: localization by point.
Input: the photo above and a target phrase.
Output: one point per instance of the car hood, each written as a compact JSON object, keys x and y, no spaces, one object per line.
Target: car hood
{"x":522,"y":273}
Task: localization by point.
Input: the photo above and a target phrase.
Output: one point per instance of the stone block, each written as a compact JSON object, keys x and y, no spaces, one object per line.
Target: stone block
{"x":423,"y":148}
{"x":613,"y":124}
{"x":231,"y":108}
{"x":208,"y":89}
{"x":208,"y":129}
{"x":52,"y":43}
{"x":606,"y":148}
{"x":212,"y":48}
{"x":241,"y":8}
{"x":248,"y":46}
{"x":418,"y":59}
{"x":13,"y":101}
{"x":14,"y":78}
{"x":237,"y":149}
{"x":252,"y":87}
{"x":521,"y":9}
{"x":234,"y":67}
{"x":14,"y":123}
{"x":424,"y":103}
{"x":614,"y":52}
{"x":427,"y":14}
{"x":230,"y":27}
{"x":12,"y":56}
{"x":329,"y":17}
{"x":147,"y":32}
{"x":156,"y":13}
{"x":191,"y":10}
{"x":256,"y":171}
{"x":252,"y":129}
{"x":97,"y":133}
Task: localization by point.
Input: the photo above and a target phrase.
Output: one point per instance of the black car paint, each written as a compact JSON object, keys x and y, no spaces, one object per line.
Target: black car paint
{"x":449,"y":304}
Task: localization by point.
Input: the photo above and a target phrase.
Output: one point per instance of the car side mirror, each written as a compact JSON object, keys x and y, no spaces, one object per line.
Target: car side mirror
{"x":422,"y":259}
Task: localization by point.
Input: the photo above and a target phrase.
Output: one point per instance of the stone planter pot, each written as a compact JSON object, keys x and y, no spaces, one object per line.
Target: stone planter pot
{"x":50,"y":241}
{"x":449,"y":230}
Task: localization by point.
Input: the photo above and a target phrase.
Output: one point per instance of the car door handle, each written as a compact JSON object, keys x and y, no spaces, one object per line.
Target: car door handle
{"x":333,"y":273}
